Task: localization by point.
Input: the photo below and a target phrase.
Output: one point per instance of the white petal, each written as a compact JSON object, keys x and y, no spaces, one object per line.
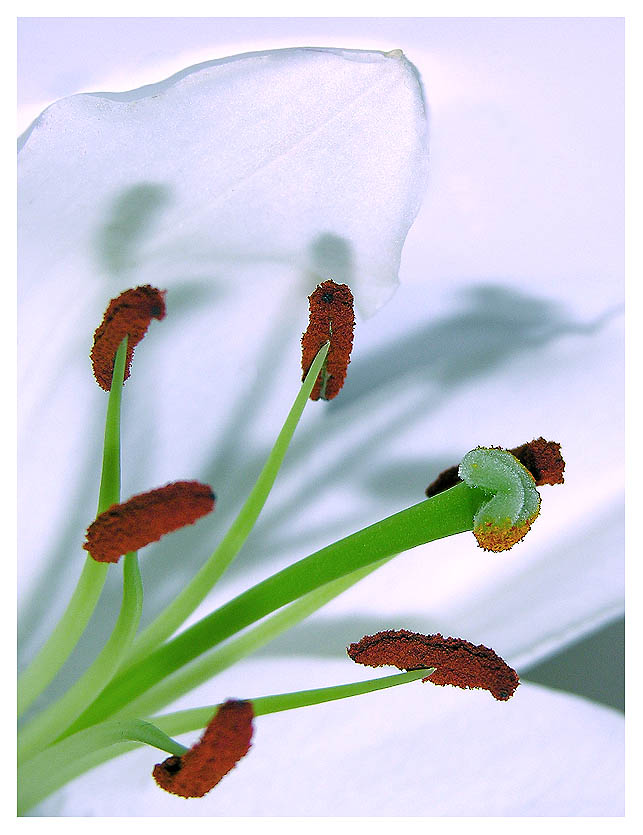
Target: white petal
{"x":236,"y":184}
{"x":307,"y":157}
{"x":413,"y":750}
{"x":555,"y":375}
{"x":528,"y":227}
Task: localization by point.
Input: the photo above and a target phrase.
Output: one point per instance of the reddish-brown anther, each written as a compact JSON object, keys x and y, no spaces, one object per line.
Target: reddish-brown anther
{"x":456,"y":661}
{"x":331,"y":319}
{"x":128,"y":315}
{"x":225,"y":741}
{"x":147,"y":517}
{"x":542,"y":458}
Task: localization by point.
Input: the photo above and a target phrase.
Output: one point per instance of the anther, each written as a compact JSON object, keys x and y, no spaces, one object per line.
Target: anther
{"x":225,"y":741}
{"x":127,"y":315}
{"x":542,"y":458}
{"x":147,"y":517}
{"x":331,"y":319}
{"x":456,"y":661}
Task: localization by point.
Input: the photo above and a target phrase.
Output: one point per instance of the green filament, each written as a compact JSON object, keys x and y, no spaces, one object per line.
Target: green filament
{"x":215,"y":661}
{"x":443,"y":515}
{"x":52,"y":768}
{"x":49,"y":724}
{"x":196,"y":591}
{"x":62,"y":762}
{"x":43,"y":669}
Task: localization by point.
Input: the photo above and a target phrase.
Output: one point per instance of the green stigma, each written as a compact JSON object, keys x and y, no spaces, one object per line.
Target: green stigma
{"x":514,"y":501}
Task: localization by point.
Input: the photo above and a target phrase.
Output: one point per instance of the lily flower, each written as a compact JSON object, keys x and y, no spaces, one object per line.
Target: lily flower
{"x":238,"y":186}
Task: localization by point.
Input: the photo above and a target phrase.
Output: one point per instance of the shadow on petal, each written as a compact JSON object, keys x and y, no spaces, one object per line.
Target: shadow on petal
{"x":495,"y":324}
{"x":132,"y":216}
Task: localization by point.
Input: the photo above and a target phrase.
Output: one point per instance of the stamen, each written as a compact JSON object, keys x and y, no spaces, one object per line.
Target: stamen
{"x":225,"y":741}
{"x":127,"y":315}
{"x":542,"y":458}
{"x":456,"y":661}
{"x":147,"y":517}
{"x":331,"y":319}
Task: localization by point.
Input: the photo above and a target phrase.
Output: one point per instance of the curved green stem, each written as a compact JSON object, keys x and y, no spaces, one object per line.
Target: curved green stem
{"x":52,"y":768}
{"x":195,"y":592}
{"x":217,"y":660}
{"x":182,"y":721}
{"x":53,"y":721}
{"x":71,"y":626}
{"x":71,"y":757}
{"x":448,"y":513}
